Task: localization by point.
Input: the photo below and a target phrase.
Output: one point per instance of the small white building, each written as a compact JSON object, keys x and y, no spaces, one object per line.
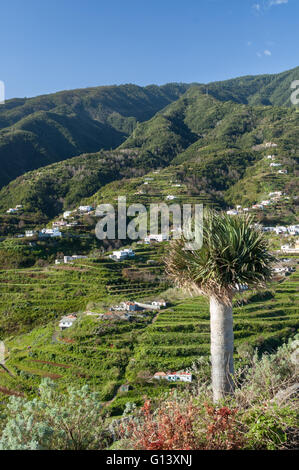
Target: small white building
{"x":11,"y":211}
{"x":159,"y":303}
{"x":170,"y":197}
{"x":159,"y":237}
{"x":282,"y":172}
{"x":68,"y":259}
{"x":30,"y":233}
{"x":270,"y":144}
{"x":180,"y":376}
{"x":66,"y":214}
{"x":122,"y":254}
{"x":67,"y":321}
{"x":85,"y":209}
{"x":59,"y":223}
{"x":275,"y":164}
{"x":232,"y":212}
{"x":50,"y":233}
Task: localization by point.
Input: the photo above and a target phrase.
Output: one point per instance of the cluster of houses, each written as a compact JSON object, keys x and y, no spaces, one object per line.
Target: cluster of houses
{"x":126,"y":310}
{"x":133,"y":306}
{"x":284,"y":269}
{"x":180,"y":376}
{"x":273,"y":199}
{"x":14,"y":210}
{"x":283,"y":229}
{"x":276,"y":165}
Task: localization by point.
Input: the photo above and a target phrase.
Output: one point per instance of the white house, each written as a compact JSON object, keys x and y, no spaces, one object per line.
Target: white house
{"x":170,"y":197}
{"x":85,"y":209}
{"x":67,"y":321}
{"x":122,"y":254}
{"x":281,"y":229}
{"x":290,"y":249}
{"x":279,"y":269}
{"x":11,"y":211}
{"x":67,"y":259}
{"x":270,"y":144}
{"x":66,"y":214}
{"x":276,"y":193}
{"x":30,"y":233}
{"x":275,"y":164}
{"x":159,"y":303}
{"x":159,"y":237}
{"x":266,"y":202}
{"x":129,"y":306}
{"x":50,"y":233}
{"x":293,"y":229}
{"x":283,"y":172}
{"x":180,"y":376}
{"x":59,"y":223}
{"x":270,"y":157}
{"x":232,"y":212}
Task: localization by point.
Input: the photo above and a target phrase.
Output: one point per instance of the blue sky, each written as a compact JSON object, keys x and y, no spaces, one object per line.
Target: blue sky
{"x":51,"y":45}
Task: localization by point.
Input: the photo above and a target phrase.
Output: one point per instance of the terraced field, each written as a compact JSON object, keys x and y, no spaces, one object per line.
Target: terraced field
{"x":105,"y":354}
{"x":31,"y":297}
{"x":181,"y":333}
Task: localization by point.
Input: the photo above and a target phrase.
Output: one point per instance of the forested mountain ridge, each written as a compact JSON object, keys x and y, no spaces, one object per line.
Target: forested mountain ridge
{"x":203,"y":141}
{"x":36,"y":132}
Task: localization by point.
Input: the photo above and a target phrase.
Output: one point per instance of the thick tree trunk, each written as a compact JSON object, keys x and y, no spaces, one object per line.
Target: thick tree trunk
{"x":222,"y":348}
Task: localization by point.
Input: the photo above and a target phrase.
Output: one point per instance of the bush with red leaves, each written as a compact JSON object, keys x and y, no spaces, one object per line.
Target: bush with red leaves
{"x":182,"y":425}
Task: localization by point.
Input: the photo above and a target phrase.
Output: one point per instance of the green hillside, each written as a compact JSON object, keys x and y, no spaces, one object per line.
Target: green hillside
{"x":35,"y":132}
{"x":206,"y":144}
{"x":269,"y":90}
{"x":105,"y":355}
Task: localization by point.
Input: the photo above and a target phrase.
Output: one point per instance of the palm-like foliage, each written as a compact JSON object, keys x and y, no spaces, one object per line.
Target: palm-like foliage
{"x":234,"y":252}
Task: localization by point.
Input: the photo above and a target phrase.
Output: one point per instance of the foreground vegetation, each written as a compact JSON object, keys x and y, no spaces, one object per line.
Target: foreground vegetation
{"x":263,"y":414}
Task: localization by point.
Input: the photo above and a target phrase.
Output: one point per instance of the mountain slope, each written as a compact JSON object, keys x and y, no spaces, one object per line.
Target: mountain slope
{"x":200,"y":124}
{"x":211,"y":142}
{"x":269,"y":90}
{"x":38,"y":131}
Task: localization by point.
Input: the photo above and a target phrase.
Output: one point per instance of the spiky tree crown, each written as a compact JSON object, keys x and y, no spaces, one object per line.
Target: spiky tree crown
{"x":234,"y":252}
